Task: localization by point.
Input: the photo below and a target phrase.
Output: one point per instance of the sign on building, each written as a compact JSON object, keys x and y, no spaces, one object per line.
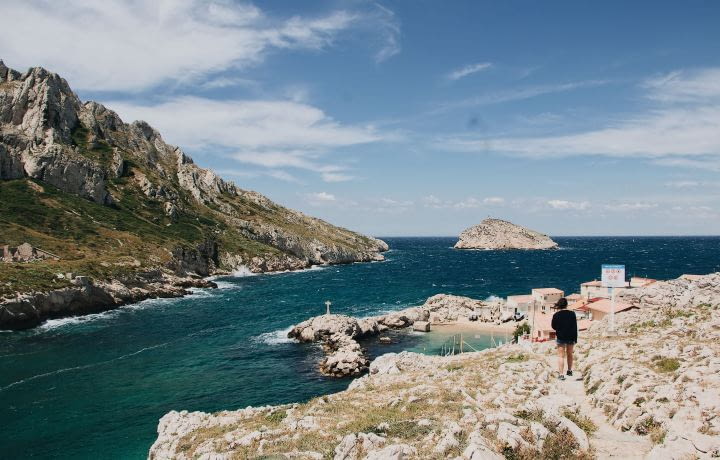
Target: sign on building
{"x":613,"y":276}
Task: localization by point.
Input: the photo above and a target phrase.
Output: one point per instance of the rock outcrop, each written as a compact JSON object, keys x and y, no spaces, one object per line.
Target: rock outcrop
{"x":338,"y":334}
{"x":55,"y":148}
{"x":661,"y":376}
{"x":84,"y":296}
{"x":655,"y":380}
{"x":501,"y":234}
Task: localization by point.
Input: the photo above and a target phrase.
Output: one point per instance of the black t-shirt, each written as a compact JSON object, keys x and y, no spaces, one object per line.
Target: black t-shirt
{"x":565,"y":324}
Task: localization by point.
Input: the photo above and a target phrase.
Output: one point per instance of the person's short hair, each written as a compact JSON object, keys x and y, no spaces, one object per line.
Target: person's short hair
{"x":561,"y":303}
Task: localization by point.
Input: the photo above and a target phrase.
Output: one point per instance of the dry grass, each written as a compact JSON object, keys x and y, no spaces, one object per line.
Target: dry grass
{"x":587,"y":425}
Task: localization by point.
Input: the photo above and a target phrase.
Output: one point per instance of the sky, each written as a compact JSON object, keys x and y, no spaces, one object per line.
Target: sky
{"x":415,"y":117}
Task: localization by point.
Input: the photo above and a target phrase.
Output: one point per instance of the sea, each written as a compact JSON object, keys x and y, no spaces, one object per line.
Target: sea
{"x":95,"y":386}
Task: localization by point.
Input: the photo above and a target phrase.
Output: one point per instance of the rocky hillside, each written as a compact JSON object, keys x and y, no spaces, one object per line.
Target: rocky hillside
{"x":649,"y":391}
{"x":116,"y":202}
{"x":501,"y":234}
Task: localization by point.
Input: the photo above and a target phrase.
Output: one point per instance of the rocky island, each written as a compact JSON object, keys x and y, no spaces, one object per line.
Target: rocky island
{"x":501,"y":234}
{"x":125,"y":215}
{"x":648,"y":390}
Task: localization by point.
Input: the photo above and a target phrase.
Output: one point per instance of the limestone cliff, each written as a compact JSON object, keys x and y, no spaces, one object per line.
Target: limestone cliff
{"x":110,"y":197}
{"x":501,"y":234}
{"x":648,"y":391}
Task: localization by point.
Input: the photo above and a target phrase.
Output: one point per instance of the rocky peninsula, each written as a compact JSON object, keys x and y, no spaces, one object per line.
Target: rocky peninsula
{"x":501,"y":234}
{"x":130,"y":215}
{"x":339,"y":334}
{"x":649,"y":390}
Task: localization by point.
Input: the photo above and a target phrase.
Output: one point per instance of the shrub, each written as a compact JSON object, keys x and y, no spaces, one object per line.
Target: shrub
{"x":585,"y":424}
{"x":532,"y":415}
{"x":517,"y":358}
{"x":667,"y":364}
{"x":520,"y":329}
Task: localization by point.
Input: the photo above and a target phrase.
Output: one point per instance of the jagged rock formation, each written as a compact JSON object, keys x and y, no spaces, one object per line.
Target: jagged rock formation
{"x":83,"y":296}
{"x":662,"y":377}
{"x":658,"y":379}
{"x":338,"y":334}
{"x":99,"y":188}
{"x":501,"y":234}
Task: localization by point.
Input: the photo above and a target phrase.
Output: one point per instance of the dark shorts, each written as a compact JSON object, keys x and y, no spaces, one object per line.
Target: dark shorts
{"x":565,"y":342}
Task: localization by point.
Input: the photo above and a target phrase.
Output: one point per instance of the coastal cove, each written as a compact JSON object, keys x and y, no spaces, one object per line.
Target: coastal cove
{"x":98,"y":384}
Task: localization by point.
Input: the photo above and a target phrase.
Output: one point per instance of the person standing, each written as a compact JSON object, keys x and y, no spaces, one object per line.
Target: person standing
{"x":564,"y":322}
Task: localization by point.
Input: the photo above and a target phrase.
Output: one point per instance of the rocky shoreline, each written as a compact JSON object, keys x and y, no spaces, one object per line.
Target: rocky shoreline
{"x":86,"y":296}
{"x":338,"y":334}
{"x":650,"y":390}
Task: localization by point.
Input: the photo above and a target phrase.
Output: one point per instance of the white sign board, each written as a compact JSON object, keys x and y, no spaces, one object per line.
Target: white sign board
{"x":613,"y":276}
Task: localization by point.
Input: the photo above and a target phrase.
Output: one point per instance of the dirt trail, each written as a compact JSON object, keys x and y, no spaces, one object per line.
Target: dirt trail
{"x":607,"y":441}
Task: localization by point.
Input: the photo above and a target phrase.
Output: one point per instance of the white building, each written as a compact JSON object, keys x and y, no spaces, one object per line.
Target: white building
{"x":545,"y":298}
{"x":519,"y":304}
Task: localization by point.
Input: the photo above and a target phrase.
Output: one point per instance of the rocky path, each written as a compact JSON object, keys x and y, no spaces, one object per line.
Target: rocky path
{"x":607,"y":442}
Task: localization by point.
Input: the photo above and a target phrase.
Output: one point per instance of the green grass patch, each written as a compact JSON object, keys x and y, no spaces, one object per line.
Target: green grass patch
{"x":666,"y":364}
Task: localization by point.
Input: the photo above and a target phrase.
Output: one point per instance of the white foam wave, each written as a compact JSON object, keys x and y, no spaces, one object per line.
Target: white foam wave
{"x":226,"y":285}
{"x":274,"y":337}
{"x":60,"y":322}
{"x":302,"y":270}
{"x":201,"y":292}
{"x":75,"y":368}
{"x":243,"y":271}
{"x":493,"y":298}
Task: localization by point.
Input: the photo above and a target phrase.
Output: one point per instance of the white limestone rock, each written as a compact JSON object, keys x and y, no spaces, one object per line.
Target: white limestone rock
{"x":501,"y":234}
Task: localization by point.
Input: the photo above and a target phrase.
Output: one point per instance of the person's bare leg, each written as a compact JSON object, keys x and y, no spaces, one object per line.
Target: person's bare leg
{"x":561,"y":358}
{"x":569,"y":353}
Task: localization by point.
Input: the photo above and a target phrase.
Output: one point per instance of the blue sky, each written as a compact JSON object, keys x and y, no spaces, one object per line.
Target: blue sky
{"x":416,"y":117}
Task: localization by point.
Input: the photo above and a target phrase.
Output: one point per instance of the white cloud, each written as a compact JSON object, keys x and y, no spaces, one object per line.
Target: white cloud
{"x":336,"y":177}
{"x":568,"y":205}
{"x":227,"y":82}
{"x":388,"y":29}
{"x":468,"y":70}
{"x":318,"y":198}
{"x":494,"y":200}
{"x":686,"y":184}
{"x":245,"y":124}
{"x":685,"y":86}
{"x":682,"y":184}
{"x":431,"y":201}
{"x":467,"y":203}
{"x":660,"y":133}
{"x":117,"y":45}
{"x":271,"y":134}
{"x":631,"y":206}
{"x":274,"y":173}
{"x":686,"y":123}
{"x":516,"y":94}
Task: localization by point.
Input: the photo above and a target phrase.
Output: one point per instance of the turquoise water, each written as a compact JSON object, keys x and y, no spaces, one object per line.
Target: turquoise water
{"x":95,"y":386}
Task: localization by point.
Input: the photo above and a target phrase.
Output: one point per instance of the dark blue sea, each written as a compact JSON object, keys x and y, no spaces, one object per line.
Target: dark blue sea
{"x":95,"y":386}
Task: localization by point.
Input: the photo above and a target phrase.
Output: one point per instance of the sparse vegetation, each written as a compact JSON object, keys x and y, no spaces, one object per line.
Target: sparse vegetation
{"x":517,"y":358}
{"x":520,"y":330}
{"x":533,"y":416}
{"x":666,"y":364}
{"x":582,"y":421}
